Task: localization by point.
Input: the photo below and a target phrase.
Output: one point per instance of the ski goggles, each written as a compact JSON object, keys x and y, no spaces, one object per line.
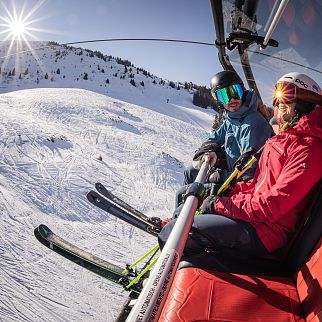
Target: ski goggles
{"x":288,"y":93}
{"x":284,"y":93}
{"x":224,"y":95}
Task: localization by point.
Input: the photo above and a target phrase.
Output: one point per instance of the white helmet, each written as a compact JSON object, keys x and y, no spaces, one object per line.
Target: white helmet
{"x":301,"y":81}
{"x":299,"y":88}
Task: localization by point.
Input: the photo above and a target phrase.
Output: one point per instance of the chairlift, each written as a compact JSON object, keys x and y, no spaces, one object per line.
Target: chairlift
{"x":215,"y":287}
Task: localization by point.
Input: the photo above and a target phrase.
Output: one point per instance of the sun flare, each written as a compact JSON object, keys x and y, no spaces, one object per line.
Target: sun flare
{"x":17,"y":28}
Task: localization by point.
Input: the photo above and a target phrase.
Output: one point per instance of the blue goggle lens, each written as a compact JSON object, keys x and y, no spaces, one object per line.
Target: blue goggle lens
{"x":224,"y":95}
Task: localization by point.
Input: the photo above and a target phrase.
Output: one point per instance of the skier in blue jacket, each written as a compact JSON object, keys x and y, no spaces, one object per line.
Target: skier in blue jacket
{"x":244,"y":127}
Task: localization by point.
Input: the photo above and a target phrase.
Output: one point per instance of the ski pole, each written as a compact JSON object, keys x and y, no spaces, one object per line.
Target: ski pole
{"x":149,"y":304}
{"x":142,"y":273}
{"x":140,"y":259}
{"x":239,"y":172}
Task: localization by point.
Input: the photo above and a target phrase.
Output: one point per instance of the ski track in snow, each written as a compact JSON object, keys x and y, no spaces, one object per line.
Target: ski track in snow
{"x":50,"y":144}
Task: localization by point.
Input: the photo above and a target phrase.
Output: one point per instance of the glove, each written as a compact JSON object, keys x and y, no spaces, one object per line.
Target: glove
{"x":215,"y":175}
{"x":208,"y":205}
{"x":244,"y":158}
{"x":209,"y":147}
{"x":211,"y":189}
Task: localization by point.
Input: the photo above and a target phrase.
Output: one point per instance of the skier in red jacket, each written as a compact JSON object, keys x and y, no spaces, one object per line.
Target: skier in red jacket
{"x":259,"y":216}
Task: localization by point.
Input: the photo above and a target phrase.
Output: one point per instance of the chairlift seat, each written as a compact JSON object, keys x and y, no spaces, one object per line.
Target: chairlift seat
{"x":270,"y":289}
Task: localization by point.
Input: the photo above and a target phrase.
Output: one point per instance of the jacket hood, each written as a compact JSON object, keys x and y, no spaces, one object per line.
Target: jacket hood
{"x":310,"y":124}
{"x":249,"y":106}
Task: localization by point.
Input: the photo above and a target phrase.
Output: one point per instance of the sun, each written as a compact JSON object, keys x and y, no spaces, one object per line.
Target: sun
{"x":15,"y":26}
{"x":17,"y":29}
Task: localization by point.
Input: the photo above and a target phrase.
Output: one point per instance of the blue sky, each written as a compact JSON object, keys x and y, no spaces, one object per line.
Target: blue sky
{"x":72,"y":20}
{"x":78,"y":20}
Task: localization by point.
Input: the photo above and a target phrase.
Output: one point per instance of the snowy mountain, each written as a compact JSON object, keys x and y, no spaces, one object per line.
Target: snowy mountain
{"x":52,"y":66}
{"x":55,"y":144}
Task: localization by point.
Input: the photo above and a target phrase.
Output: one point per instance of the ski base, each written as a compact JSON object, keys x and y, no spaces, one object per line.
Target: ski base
{"x":83,"y":258}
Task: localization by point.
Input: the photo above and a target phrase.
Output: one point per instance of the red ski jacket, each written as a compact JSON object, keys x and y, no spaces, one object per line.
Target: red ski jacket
{"x":288,"y":170}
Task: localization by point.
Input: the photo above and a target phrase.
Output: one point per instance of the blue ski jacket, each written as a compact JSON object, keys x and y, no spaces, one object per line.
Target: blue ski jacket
{"x":242,"y":130}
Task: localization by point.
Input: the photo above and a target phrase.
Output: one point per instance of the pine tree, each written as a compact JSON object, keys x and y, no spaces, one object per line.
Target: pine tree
{"x":46,"y":76}
{"x":219,"y":119}
{"x":13,"y":72}
{"x":132,"y":82}
{"x":107,"y":81}
{"x":26,"y":71}
{"x":58,"y":71}
{"x":85,"y":76}
{"x":172,"y":84}
{"x":142,"y":83}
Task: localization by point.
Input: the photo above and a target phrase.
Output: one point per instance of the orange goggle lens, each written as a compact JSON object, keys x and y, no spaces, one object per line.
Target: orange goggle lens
{"x":284,"y":93}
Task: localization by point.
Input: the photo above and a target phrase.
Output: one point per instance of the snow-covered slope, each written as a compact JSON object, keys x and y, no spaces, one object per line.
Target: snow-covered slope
{"x":51,"y":143}
{"x":69,"y":67}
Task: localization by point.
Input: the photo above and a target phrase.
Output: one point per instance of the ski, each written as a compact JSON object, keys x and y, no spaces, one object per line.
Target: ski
{"x":83,"y":258}
{"x":113,"y":209}
{"x":155,"y":221}
{"x":110,"y":196}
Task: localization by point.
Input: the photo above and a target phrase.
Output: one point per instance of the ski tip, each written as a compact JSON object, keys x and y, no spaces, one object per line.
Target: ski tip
{"x":39,"y":237}
{"x":44,"y":231}
{"x":90,"y":195}
{"x":101,"y":189}
{"x":98,"y":184}
{"x":36,"y":233}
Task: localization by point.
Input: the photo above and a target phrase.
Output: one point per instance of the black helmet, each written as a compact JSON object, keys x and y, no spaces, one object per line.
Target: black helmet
{"x":225,"y":79}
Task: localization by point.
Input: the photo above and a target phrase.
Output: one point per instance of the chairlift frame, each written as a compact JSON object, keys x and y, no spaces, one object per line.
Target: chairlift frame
{"x":242,"y":37}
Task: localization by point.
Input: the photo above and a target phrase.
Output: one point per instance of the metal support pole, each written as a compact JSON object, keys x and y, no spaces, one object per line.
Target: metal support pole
{"x":152,"y":298}
{"x":275,"y":21}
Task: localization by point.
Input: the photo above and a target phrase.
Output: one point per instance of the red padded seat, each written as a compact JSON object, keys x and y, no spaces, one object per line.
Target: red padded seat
{"x":199,"y":295}
{"x":309,"y":285}
{"x":205,"y":294}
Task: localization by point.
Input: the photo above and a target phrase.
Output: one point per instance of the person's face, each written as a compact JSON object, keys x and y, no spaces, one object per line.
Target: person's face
{"x":285,"y":112}
{"x":233,"y":105}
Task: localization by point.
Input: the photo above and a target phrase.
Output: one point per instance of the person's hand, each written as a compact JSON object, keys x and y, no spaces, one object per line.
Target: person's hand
{"x":244,"y":158}
{"x":215,"y":175}
{"x":209,"y":147}
{"x":211,"y":189}
{"x":208,"y":205}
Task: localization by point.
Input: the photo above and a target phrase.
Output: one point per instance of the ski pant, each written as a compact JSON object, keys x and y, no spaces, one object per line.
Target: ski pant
{"x":190,"y":175}
{"x":219,"y":234}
